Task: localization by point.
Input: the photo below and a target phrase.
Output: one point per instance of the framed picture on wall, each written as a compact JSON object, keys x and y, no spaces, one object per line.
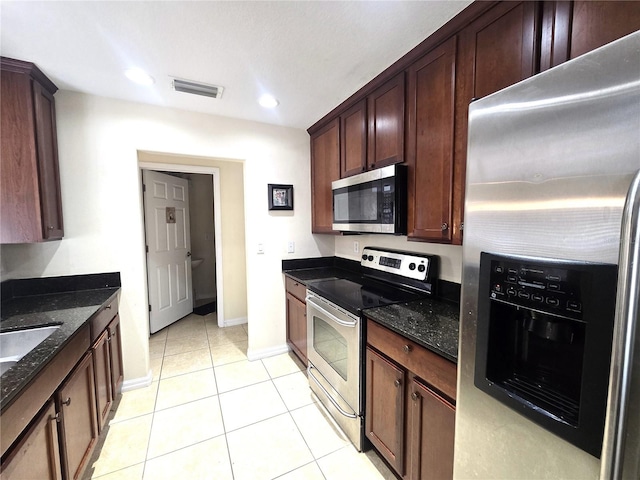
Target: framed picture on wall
{"x":280,"y":197}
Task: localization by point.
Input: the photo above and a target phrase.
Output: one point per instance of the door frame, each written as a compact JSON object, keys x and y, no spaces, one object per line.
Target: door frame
{"x":217,"y":225}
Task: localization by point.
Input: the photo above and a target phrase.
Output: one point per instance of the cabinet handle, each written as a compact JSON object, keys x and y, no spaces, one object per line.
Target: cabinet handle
{"x":108,"y":307}
{"x":67,"y":402}
{"x":444,"y":227}
{"x":50,"y":227}
{"x":415,"y":396}
{"x":462,"y":226}
{"x":296,"y":284}
{"x":397,"y":382}
{"x":407,"y":348}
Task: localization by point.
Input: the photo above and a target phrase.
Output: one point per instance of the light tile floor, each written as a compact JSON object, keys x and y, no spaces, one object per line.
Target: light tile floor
{"x":212,"y":414}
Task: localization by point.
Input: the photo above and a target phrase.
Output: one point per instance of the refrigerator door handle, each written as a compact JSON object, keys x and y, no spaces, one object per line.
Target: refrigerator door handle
{"x":624,"y":383}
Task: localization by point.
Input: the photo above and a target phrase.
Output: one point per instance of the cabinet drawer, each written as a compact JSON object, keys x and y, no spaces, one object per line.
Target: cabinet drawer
{"x":297,"y":289}
{"x":101,"y":320}
{"x":431,"y":367}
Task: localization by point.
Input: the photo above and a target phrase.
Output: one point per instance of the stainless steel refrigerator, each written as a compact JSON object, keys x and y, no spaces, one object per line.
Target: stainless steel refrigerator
{"x":547,"y":367}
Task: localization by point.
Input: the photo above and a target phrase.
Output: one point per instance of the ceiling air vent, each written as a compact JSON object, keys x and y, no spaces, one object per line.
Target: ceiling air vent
{"x":196,"y":88}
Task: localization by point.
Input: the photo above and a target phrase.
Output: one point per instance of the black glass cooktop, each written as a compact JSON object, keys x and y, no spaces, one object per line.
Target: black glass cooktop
{"x":362,"y":293}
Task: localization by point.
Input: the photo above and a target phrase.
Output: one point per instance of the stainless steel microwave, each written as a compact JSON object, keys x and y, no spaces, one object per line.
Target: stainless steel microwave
{"x":372,"y":202}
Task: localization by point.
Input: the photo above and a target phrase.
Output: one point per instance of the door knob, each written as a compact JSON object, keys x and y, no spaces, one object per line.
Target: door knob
{"x":415,"y":396}
{"x":406,"y":348}
{"x":397,"y":382}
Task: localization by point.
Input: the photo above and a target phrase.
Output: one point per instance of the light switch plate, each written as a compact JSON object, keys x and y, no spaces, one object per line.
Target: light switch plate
{"x":356,"y":247}
{"x":291,"y":247}
{"x":260,"y":248}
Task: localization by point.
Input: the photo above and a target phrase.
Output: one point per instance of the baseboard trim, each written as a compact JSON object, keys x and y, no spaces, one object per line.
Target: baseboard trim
{"x":136,"y":383}
{"x":266,"y":352}
{"x":232,"y":322}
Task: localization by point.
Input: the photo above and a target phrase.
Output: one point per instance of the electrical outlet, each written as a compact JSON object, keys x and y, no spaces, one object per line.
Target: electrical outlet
{"x":356,"y":247}
{"x":291,"y":247}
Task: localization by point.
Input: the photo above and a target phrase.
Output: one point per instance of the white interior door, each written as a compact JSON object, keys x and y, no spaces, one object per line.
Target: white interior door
{"x":166,"y":212}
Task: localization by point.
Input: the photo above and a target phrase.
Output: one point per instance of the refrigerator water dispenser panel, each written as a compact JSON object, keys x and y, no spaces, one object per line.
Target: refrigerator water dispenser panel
{"x":544,"y":342}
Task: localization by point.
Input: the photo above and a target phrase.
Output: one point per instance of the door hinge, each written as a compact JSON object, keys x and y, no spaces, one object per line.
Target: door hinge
{"x":149,"y":307}
{"x":144,"y":187}
{"x":146,"y":247}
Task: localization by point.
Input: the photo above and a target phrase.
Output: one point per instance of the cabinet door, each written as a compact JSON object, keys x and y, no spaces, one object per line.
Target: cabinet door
{"x":386,"y":124}
{"x":37,"y":455}
{"x":495,"y":51}
{"x":430,"y":109}
{"x":297,"y":326}
{"x":48,"y":171}
{"x":102,"y":370}
{"x":570,"y":29}
{"x":384,"y":415}
{"x":115,"y":356}
{"x":77,"y":406}
{"x":353,"y":145}
{"x":19,"y":198}
{"x":595,"y":24}
{"x":325,"y":168}
{"x":431,"y":429}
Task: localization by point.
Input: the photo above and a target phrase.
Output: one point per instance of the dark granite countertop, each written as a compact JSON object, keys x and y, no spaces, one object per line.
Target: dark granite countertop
{"x":25,"y":305}
{"x":431,"y":323}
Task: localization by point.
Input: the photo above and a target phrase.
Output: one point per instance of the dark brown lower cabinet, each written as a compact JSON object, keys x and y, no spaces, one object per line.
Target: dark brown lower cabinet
{"x":102,"y":370}
{"x":76,"y":403}
{"x":37,"y":455}
{"x":297,"y":326}
{"x":384,"y":421}
{"x":408,"y":418}
{"x":430,"y":428}
{"x":115,"y":356}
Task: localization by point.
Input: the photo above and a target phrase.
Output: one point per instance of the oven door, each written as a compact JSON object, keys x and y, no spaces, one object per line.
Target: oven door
{"x":333,"y":343}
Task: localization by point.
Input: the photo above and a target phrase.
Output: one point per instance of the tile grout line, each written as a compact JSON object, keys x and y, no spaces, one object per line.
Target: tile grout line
{"x":224,"y":428}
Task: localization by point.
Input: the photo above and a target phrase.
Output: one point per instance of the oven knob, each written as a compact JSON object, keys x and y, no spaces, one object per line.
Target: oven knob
{"x":370,"y":258}
{"x":364,"y":257}
{"x":412,"y":266}
{"x":421,"y":268}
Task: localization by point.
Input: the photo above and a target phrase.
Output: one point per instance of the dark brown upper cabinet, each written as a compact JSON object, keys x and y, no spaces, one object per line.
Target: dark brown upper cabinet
{"x":30,"y":203}
{"x":325,"y":168}
{"x":353,"y":147}
{"x":496,"y":50}
{"x":570,"y":29}
{"x":430,"y":127}
{"x":386,"y":124}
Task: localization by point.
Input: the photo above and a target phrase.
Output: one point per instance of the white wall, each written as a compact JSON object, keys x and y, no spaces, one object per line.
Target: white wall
{"x":98,"y":142}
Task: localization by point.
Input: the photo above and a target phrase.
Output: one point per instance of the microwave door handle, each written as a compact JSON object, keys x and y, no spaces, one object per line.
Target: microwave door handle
{"x":626,"y":346}
{"x":331,"y":315}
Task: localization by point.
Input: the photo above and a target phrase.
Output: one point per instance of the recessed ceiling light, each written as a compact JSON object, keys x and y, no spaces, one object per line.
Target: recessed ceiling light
{"x":268,"y":101}
{"x":139,"y":76}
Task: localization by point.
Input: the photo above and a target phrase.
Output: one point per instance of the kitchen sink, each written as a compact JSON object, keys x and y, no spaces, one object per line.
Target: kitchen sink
{"x":16,"y":344}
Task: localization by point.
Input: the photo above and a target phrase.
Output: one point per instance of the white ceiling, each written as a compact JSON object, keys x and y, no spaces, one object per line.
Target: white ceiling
{"x":310,"y":55}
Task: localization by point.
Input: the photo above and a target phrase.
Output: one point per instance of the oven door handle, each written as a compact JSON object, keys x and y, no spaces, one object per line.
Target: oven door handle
{"x":331,"y":315}
{"x":328,"y":395}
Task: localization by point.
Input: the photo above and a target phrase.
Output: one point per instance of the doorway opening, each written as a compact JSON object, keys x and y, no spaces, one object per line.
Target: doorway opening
{"x":203,"y":280}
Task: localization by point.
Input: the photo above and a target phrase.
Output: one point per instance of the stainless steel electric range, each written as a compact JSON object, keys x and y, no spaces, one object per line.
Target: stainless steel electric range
{"x":336,"y":330}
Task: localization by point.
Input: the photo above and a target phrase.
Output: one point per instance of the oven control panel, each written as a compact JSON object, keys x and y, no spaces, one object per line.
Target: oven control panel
{"x":415,"y":266}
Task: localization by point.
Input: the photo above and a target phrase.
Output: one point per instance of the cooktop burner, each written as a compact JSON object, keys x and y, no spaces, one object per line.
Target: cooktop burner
{"x":386,"y":277}
{"x":355,"y":296}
